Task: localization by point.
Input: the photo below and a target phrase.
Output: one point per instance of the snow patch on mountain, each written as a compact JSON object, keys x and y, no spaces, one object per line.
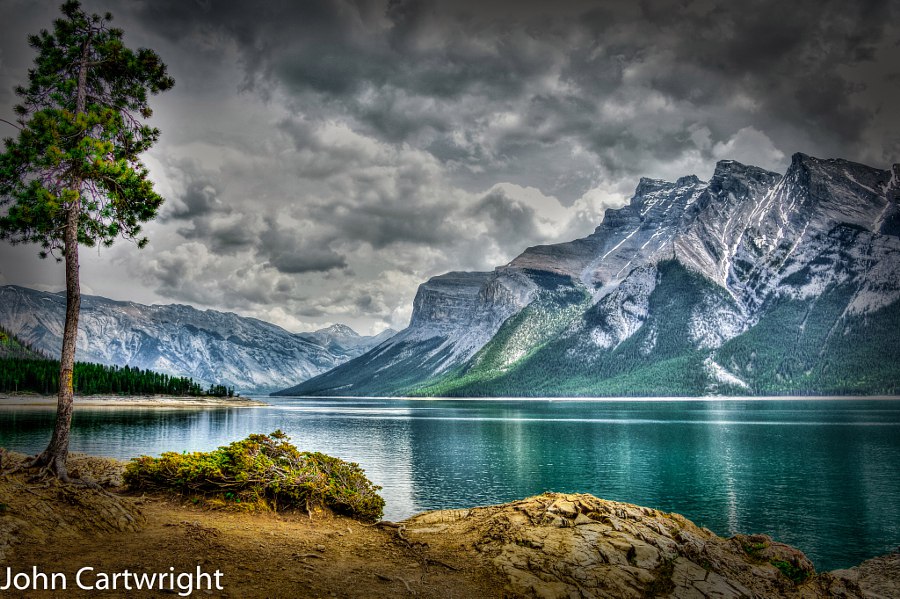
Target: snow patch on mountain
{"x":715,"y":321}
{"x":719,"y":374}
{"x":625,"y":309}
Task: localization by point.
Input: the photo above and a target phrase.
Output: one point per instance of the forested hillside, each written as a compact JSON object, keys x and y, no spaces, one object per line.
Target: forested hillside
{"x":13,"y":347}
{"x":24,"y":369}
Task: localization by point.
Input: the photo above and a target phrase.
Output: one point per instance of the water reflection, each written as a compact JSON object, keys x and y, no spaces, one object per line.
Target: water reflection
{"x":820,"y":475}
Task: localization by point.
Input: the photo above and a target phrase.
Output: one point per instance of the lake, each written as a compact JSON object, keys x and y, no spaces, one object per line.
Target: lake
{"x":821,"y":475}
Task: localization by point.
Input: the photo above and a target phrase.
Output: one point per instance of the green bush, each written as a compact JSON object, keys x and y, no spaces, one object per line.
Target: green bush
{"x":261,"y":471}
{"x":796,"y":574}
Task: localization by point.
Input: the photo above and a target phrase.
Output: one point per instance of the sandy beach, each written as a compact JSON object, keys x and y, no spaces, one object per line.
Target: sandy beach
{"x":133,"y":401}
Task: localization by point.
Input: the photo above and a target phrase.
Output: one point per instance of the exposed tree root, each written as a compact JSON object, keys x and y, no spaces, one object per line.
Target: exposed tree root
{"x":53,"y":467}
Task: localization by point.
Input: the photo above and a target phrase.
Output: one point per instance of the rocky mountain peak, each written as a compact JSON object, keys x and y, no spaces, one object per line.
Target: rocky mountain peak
{"x":835,"y":191}
{"x":689,"y":277}
{"x":739,"y":179}
{"x":647,"y":185}
{"x":209,"y":346}
{"x":840,"y":171}
{"x":448,"y":298}
{"x":687,"y":180}
{"x":341,"y":330}
{"x":653,"y":187}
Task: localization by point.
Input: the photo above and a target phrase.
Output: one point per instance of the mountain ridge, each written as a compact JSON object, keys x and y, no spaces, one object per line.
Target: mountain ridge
{"x":747,"y":251}
{"x":210,"y":346}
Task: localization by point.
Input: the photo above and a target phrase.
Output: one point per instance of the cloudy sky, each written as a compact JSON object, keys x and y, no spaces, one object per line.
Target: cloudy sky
{"x":321,"y":158}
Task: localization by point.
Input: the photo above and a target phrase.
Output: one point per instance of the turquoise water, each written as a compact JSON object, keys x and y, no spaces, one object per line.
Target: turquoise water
{"x":819,"y":474}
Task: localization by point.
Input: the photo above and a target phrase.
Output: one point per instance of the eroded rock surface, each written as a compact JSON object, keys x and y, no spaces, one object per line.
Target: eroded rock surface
{"x":878,"y":577}
{"x":571,"y":546}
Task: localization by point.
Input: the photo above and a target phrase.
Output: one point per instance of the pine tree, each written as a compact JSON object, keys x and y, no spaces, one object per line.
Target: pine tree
{"x":74,"y":175}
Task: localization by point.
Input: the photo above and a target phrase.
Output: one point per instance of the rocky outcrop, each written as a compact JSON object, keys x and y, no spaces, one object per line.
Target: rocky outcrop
{"x":879,"y":577}
{"x":550,"y":546}
{"x":558,"y":546}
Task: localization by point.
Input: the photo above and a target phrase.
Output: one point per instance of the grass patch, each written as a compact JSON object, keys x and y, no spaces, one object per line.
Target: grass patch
{"x":260,"y":472}
{"x":754,"y":550}
{"x":795,"y":574}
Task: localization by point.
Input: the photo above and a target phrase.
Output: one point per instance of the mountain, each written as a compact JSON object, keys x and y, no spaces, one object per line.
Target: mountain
{"x":342,"y":341}
{"x":750,"y":283}
{"x":206,"y":345}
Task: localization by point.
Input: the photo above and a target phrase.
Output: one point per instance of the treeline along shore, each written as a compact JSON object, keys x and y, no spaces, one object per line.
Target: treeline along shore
{"x":19,"y":375}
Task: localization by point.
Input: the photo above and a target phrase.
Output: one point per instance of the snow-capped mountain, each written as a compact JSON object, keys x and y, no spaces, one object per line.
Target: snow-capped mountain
{"x":209,"y":346}
{"x":751,"y":282}
{"x":342,"y":341}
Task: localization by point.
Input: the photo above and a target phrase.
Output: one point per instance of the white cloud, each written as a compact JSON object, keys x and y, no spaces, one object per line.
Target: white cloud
{"x":750,"y":146}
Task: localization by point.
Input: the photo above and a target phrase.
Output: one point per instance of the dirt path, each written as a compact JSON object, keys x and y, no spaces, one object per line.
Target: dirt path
{"x":264,"y":555}
{"x":58,"y":528}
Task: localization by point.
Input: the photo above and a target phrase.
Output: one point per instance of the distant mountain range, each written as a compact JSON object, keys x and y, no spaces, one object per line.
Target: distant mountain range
{"x":209,"y":346}
{"x":750,"y":283}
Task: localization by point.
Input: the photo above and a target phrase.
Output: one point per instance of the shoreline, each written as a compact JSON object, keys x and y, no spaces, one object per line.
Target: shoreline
{"x":636,"y":399}
{"x":129,"y":401}
{"x":548,"y":545}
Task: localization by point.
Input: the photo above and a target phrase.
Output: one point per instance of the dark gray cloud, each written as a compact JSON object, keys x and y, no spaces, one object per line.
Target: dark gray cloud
{"x":292,"y":253}
{"x":441,"y":74}
{"x":224,"y":237}
{"x":515,"y":219}
{"x":385,"y":224}
{"x":199,"y":200}
{"x":316,"y":259}
{"x":202,"y":215}
{"x":322,"y":158}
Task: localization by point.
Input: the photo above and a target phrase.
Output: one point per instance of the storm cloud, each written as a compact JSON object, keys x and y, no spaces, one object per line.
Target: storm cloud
{"x":322,"y":158}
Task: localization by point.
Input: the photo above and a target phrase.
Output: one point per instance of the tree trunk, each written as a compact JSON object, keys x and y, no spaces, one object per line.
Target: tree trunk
{"x":54,"y":457}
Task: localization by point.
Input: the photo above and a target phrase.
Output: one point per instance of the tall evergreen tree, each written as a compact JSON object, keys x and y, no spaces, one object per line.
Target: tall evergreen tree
{"x":73,"y":174}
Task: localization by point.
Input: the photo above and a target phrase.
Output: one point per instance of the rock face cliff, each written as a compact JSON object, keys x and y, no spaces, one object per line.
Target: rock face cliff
{"x":749,"y":283}
{"x":208,"y":346}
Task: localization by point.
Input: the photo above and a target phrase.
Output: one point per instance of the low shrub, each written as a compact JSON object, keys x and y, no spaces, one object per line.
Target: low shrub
{"x":796,"y":574}
{"x":261,"y":471}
